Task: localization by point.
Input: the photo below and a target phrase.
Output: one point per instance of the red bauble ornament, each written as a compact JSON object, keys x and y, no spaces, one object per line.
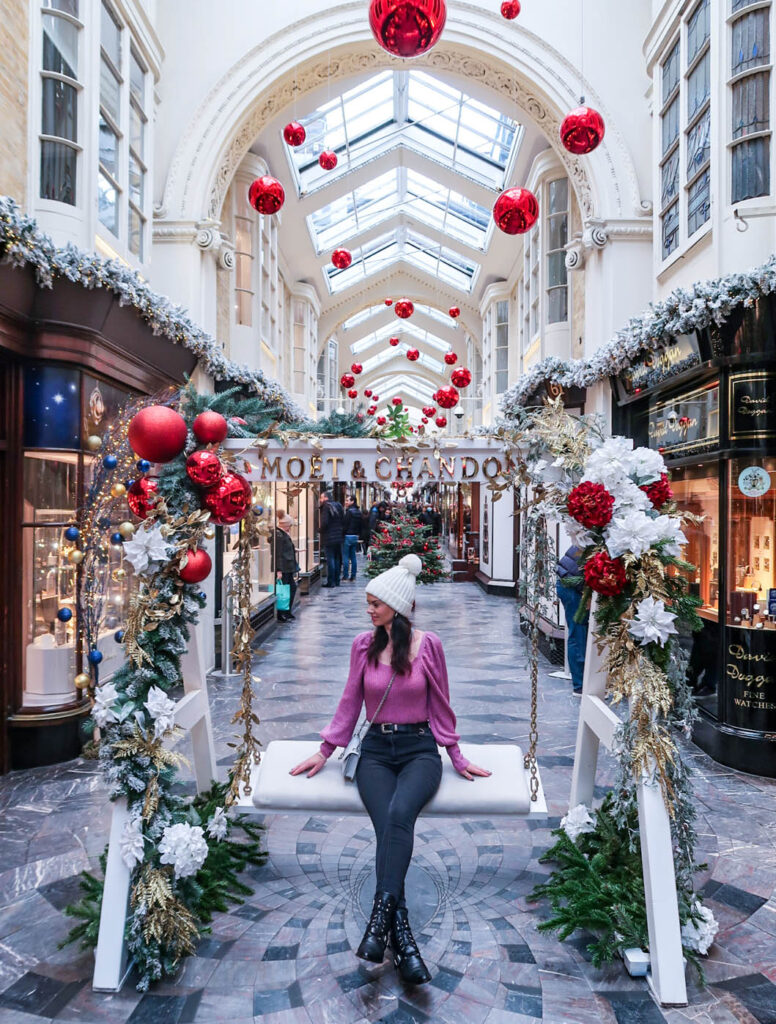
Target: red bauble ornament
{"x":371,"y":410}
{"x":396,"y":400}
{"x":266,"y":195}
{"x":157,"y":433}
{"x":197,"y":567}
{"x":461,"y":377}
{"x":407,"y":28}
{"x":605,"y":575}
{"x":659,"y":491}
{"x":413,"y":354}
{"x":515,"y":211}
{"x":360,"y":417}
{"x":347,"y":380}
{"x":411,"y":429}
{"x":441,"y":421}
{"x":393,"y":342}
{"x":447,"y":397}
{"x":389,"y":302}
{"x":294,"y":133}
{"x":352,"y":393}
{"x":510,"y":9}
{"x":424,"y":419}
{"x":138,"y":495}
{"x":210,"y":427}
{"x":356,"y":368}
{"x":239,"y":421}
{"x":591,"y":505}
{"x":451,"y":358}
{"x":204,"y":468}
{"x":582,"y":130}
{"x":341,"y":259}
{"x":428,"y":410}
{"x":228,"y":502}
{"x":375,"y":398}
{"x":367,"y":392}
{"x":328,"y":159}
{"x":454,"y":312}
{"x":381,"y":421}
{"x":404,"y":308}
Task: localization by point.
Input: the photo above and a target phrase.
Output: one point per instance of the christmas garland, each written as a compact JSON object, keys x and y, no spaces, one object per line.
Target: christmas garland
{"x":22,"y":244}
{"x":683,"y":311}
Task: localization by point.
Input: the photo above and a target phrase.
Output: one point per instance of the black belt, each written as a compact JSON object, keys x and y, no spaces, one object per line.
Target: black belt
{"x":419,"y":728}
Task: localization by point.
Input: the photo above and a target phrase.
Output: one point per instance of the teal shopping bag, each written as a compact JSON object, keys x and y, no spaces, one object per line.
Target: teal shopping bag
{"x":282,"y":597}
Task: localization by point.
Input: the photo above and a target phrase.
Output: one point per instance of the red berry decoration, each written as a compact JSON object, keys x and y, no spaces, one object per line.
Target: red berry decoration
{"x":356,"y":368}
{"x":510,"y":9}
{"x":138,"y":496}
{"x":389,"y":302}
{"x":441,"y":421}
{"x":515,"y":211}
{"x":341,"y":259}
{"x":407,"y":28}
{"x":413,"y":354}
{"x":429,"y":410}
{"x":204,"y":468}
{"x":461,"y":377}
{"x":454,"y":312}
{"x":347,"y":380}
{"x":353,"y":393}
{"x":294,"y":133}
{"x":404,"y":308}
{"x":228,"y":502}
{"x":197,"y":567}
{"x":447,"y":397}
{"x":210,"y":427}
{"x":659,"y":492}
{"x":367,"y":391}
{"x":371,"y":410}
{"x":157,"y":433}
{"x":393,"y":342}
{"x":266,"y":195}
{"x":381,"y":421}
{"x":396,"y":400}
{"x":591,"y":505}
{"x":328,"y":159}
{"x":582,"y":130}
{"x":450,"y":358}
{"x":605,"y":575}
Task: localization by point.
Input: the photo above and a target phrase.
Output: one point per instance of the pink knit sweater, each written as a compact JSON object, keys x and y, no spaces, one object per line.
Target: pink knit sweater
{"x":421,"y":695}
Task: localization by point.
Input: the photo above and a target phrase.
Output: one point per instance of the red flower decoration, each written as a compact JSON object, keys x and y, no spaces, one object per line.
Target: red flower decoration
{"x":659,"y":492}
{"x":591,"y":505}
{"x":605,"y":575}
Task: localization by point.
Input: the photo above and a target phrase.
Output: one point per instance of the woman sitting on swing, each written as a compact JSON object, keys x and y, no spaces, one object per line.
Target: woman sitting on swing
{"x":401,"y":675}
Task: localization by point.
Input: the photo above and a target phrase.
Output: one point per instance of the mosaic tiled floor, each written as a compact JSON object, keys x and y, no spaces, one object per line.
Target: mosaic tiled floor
{"x":286,"y":956}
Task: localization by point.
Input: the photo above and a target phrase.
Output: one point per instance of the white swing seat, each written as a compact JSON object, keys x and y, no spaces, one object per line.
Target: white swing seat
{"x":505,"y":792}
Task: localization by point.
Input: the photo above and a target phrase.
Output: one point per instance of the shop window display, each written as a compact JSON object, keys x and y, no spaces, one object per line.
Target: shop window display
{"x":752,"y":530}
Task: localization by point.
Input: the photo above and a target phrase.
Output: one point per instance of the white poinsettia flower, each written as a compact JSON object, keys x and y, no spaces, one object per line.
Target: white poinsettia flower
{"x":161,"y":709}
{"x":216,"y":827}
{"x":577,"y":821}
{"x":104,"y":698}
{"x":132,"y":844}
{"x":610,"y":463}
{"x":670,"y":529}
{"x":147,"y":549}
{"x":629,"y":497}
{"x":185,"y":847}
{"x":634,"y":531}
{"x":647,"y":465}
{"x":699,"y":934}
{"x":653,"y":622}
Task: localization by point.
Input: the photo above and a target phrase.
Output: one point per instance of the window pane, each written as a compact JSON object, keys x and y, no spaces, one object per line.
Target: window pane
{"x":110,"y":36}
{"x":559,"y":192}
{"x":49,"y":486}
{"x":108,"y":204}
{"x":502,"y":358}
{"x":698,"y":202}
{"x":698,"y":28}
{"x":108,"y":147}
{"x":698,"y":86}
{"x":670,"y":221}
{"x":136,"y":182}
{"x":671,"y":71}
{"x":243,"y":235}
{"x":57,"y":172}
{"x":136,"y":225}
{"x":68,"y":6}
{"x":136,"y":80}
{"x":243,"y":266}
{"x":557,"y":305}
{"x":750,"y":44}
{"x":109,"y":90}
{"x":750,"y":110}
{"x":751,"y":169}
{"x":502,"y":313}
{"x":59,"y":113}
{"x":698,"y":144}
{"x":556,"y":268}
{"x":670,"y":126}
{"x":60,"y":46}
{"x":669,"y":179}
{"x":136,"y":131}
{"x":502,"y":381}
{"x":557,"y":231}
{"x":52,"y":407}
{"x":751,"y":539}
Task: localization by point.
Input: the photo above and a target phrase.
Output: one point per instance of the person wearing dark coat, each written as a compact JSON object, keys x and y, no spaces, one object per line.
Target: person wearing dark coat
{"x":285,"y":561}
{"x":570,"y":594}
{"x":354,"y":524}
{"x":332,"y":534}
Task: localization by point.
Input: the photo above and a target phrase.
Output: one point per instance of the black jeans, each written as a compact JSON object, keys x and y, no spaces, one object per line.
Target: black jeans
{"x":397,"y":775}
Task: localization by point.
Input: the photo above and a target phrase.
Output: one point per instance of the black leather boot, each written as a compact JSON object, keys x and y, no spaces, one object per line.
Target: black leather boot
{"x":375,"y":938}
{"x":406,"y":955}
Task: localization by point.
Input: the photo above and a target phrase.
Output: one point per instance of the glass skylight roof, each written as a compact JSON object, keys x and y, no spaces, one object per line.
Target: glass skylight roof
{"x":384,"y":356}
{"x":403,"y":330}
{"x":410,"y":108}
{"x":363,"y":314}
{"x":417,"y":386}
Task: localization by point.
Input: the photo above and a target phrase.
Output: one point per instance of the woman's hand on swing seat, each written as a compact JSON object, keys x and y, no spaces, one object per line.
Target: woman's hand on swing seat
{"x":471,"y":771}
{"x":311,"y":765}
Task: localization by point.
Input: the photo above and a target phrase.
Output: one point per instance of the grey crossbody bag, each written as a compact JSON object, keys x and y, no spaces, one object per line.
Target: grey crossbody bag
{"x":352,"y":751}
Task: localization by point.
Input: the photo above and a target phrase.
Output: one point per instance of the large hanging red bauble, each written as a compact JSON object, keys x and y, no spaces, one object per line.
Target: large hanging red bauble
{"x":210,"y":427}
{"x":352,"y":393}
{"x":393,"y":342}
{"x":266,"y":195}
{"x":461,"y":377}
{"x":450,"y":358}
{"x":371,"y":410}
{"x":582,"y":130}
{"x":389,"y":302}
{"x":375,"y":398}
{"x":138,"y":496}
{"x":396,"y":400}
{"x":157,"y":433}
{"x":510,"y":9}
{"x":441,"y":421}
{"x":424,"y":419}
{"x":356,"y":368}
{"x":328,"y":159}
{"x":204,"y":468}
{"x":454,"y":312}
{"x":228,"y":502}
{"x":347,"y":380}
{"x":407,"y":28}
{"x":197,"y":567}
{"x":413,"y":354}
{"x":404,"y":308}
{"x":367,"y":392}
{"x":341,"y":259}
{"x":516,"y":211}
{"x":294,"y":133}
{"x":447,"y":397}
{"x":428,"y":410}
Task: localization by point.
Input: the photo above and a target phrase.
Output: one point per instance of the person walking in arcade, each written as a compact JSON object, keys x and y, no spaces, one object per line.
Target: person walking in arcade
{"x":401,"y":675}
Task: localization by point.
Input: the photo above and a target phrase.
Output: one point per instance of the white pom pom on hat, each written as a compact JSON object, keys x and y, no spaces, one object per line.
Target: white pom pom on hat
{"x":396,"y":586}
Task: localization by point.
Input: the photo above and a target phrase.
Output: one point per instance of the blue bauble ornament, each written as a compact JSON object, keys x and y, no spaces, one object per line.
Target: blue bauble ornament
{"x":143,"y":465}
{"x":72,"y":533}
{"x":95,"y":656}
{"x":202,"y":595}
{"x":118,"y":636}
{"x":110,"y":462}
{"x":128,"y":483}
{"x":64,"y":615}
{"x":116,"y":539}
{"x":258,"y":510}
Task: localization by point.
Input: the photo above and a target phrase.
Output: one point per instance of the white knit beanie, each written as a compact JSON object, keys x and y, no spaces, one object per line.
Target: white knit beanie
{"x":396,"y":586}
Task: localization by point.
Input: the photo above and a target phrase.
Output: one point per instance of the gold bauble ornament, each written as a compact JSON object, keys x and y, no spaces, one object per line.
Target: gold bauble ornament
{"x":94,"y":443}
{"x":119,"y":575}
{"x":126,"y":529}
{"x":75,"y":557}
{"x":82,"y":680}
{"x":118,"y":490}
{"x":210,"y":533}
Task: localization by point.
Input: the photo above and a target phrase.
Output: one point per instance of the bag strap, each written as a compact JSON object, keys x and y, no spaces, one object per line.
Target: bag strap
{"x":383,"y":699}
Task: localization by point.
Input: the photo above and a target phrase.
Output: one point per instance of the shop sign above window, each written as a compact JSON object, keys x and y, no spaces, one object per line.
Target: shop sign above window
{"x":686,"y":423}
{"x":753,"y":405}
{"x":682,"y":353}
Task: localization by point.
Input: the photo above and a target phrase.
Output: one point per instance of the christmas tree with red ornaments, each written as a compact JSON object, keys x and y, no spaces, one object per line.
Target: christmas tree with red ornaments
{"x":402,"y":535}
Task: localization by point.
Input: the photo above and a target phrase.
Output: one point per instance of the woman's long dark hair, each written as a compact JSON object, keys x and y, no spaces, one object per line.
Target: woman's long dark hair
{"x":401,"y":638}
